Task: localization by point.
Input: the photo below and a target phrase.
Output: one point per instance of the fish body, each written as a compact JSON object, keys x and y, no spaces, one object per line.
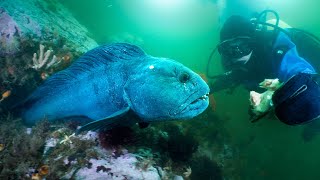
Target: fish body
{"x":112,"y":80}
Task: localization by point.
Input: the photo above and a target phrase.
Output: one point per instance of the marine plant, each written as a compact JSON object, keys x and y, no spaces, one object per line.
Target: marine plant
{"x":205,"y":168}
{"x":22,"y":151}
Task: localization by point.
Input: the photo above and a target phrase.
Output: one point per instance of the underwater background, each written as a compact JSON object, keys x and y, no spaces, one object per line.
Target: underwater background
{"x":221,"y":143}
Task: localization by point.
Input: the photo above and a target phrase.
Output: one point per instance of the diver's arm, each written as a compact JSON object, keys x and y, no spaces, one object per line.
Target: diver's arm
{"x":225,"y":81}
{"x":290,"y":63}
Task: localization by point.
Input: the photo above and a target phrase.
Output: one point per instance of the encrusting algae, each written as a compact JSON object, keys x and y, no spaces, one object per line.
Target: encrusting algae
{"x":2,"y":146}
{"x":43,"y":170}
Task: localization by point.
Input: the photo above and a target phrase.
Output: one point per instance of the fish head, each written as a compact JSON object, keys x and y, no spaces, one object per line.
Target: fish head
{"x":164,"y":89}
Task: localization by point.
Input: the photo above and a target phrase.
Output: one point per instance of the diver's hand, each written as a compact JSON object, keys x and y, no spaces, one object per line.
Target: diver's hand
{"x":260,"y":103}
{"x":270,"y":84}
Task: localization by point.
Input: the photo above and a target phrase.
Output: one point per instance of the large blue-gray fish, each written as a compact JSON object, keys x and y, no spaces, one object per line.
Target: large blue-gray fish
{"x":112,"y":81}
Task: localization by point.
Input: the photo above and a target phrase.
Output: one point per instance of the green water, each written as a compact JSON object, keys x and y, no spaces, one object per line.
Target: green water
{"x":188,"y":33}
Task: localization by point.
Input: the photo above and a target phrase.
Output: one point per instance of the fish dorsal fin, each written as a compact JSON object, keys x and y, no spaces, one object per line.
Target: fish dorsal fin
{"x":104,"y":55}
{"x":100,"y":56}
{"x":86,"y":64}
{"x":112,"y":121}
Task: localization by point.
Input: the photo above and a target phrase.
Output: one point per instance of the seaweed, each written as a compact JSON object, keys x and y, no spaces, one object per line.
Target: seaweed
{"x":182,"y":146}
{"x":120,"y":136}
{"x":22,"y":151}
{"x":65,"y":158}
{"x":205,"y":168}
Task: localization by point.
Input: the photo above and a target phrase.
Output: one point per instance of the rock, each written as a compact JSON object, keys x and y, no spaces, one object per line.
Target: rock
{"x":176,"y":177}
{"x":10,"y":34}
{"x":40,"y":21}
{"x":122,"y":167}
{"x":106,"y":165}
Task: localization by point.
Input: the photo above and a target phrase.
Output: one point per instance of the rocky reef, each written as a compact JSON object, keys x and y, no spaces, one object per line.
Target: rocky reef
{"x":52,"y":151}
{"x":41,"y":21}
{"x":36,"y":36}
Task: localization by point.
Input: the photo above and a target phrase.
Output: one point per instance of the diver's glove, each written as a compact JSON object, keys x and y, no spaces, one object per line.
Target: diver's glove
{"x":298,"y":101}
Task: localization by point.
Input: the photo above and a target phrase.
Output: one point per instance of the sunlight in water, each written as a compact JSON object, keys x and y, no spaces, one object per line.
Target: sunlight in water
{"x":171,"y":17}
{"x":166,"y":3}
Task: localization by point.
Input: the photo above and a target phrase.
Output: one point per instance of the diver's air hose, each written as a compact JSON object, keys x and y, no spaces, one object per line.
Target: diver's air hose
{"x":208,"y":64}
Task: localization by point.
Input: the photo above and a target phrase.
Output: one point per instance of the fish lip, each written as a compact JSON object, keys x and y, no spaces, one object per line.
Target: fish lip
{"x":194,"y":99}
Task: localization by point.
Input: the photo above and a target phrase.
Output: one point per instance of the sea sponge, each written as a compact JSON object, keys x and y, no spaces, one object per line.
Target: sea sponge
{"x":43,"y":170}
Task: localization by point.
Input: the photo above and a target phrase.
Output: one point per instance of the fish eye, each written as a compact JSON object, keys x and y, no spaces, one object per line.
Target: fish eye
{"x":184,"y":77}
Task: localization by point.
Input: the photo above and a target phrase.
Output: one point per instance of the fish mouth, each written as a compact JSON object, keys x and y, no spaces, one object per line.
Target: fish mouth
{"x":195,"y":104}
{"x":204,"y":97}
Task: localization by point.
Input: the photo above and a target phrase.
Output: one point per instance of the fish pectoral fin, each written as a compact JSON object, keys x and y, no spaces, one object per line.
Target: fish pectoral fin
{"x":109,"y":122}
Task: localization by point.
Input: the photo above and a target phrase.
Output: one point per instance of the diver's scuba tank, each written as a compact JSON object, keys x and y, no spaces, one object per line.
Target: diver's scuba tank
{"x":308,"y":46}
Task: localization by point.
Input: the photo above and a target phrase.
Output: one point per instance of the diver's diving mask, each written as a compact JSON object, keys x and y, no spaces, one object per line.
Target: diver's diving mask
{"x":236,"y":48}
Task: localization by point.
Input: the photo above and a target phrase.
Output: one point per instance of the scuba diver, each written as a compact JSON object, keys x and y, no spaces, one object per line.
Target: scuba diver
{"x":250,"y":53}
